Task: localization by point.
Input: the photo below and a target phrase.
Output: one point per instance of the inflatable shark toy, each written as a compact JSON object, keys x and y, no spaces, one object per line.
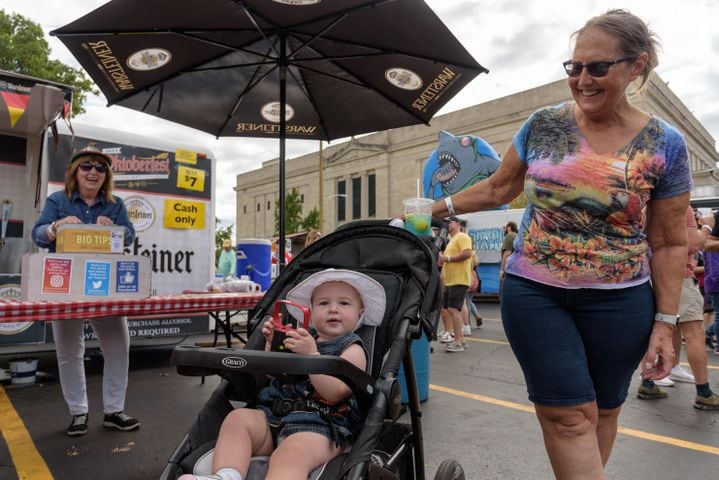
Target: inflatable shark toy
{"x":457,"y":163}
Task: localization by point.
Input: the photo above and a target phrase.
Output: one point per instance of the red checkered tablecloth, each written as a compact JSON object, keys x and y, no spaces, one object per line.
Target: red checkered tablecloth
{"x":19,"y":311}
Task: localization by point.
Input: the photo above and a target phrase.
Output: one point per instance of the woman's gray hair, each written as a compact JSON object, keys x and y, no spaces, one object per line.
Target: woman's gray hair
{"x":633,"y":34}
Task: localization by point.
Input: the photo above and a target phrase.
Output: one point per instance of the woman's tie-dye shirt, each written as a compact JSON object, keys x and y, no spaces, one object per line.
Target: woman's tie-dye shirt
{"x":582,"y":227}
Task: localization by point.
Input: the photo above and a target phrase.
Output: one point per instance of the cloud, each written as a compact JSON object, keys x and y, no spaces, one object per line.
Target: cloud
{"x":522,"y":43}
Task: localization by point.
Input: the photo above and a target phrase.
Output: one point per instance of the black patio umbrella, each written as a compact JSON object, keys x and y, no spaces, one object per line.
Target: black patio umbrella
{"x":309,"y":69}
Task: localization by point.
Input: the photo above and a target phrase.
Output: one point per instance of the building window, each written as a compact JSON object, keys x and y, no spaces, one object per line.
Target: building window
{"x":244,"y":208}
{"x":341,"y":199}
{"x":302,"y":198}
{"x":356,"y":198}
{"x":258,"y":206}
{"x":371,"y":195}
{"x":269,"y":204}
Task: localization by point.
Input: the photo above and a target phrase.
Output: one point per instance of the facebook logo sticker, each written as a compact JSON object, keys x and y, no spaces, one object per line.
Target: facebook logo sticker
{"x":127,"y":276}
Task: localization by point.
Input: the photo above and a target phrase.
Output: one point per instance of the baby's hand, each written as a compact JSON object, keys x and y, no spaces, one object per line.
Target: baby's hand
{"x":300,"y":341}
{"x":268,"y":329}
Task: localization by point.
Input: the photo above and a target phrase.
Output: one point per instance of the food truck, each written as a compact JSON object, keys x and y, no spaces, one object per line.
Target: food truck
{"x":167,"y":187}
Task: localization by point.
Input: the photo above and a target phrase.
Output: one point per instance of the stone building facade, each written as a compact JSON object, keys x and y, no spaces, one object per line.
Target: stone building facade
{"x":368,"y":177}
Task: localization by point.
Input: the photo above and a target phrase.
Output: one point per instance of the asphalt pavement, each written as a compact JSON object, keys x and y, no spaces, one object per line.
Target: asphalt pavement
{"x":477,"y":413}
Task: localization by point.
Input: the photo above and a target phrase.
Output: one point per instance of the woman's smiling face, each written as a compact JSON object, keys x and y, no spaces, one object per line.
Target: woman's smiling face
{"x":600,"y":96}
{"x":92,"y":180}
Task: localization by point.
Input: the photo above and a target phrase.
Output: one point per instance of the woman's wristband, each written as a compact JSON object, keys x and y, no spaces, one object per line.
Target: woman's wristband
{"x":708,"y":228}
{"x":449,"y":259}
{"x":450,"y":207}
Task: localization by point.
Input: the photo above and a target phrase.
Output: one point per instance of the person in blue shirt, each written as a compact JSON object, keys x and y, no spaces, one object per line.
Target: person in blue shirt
{"x":227,"y":264}
{"x":87,"y":198}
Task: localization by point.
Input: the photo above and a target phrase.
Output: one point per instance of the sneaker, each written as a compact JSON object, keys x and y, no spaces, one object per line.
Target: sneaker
{"x":707,"y":403}
{"x":466,"y":330}
{"x":120,"y":421}
{"x":653,"y":393}
{"x":78,"y":426}
{"x":681,"y":375}
{"x":478,"y":320}
{"x":465,"y":345}
{"x":664,"y":382}
{"x":709,"y":343}
{"x":445,"y":337}
{"x":454,"y":347}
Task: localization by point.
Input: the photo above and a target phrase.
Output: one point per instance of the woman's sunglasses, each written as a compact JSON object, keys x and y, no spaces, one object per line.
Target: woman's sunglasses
{"x":595,"y":69}
{"x":99,"y":167}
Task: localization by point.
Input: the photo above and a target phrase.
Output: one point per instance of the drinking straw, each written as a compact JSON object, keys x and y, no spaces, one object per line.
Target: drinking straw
{"x":417,"y":201}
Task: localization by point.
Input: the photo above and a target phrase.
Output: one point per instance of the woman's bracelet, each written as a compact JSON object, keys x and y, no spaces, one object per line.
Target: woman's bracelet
{"x":450,"y":207}
{"x":709,"y":229}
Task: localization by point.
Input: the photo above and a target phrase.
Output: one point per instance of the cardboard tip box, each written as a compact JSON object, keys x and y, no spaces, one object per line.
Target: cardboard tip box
{"x":85,"y":238}
{"x":84,"y":276}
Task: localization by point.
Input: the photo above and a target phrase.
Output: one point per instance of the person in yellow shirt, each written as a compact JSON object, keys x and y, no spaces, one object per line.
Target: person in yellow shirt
{"x":456,"y":264}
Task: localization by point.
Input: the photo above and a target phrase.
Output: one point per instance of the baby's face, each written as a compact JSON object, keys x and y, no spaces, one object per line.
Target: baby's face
{"x":336,"y":308}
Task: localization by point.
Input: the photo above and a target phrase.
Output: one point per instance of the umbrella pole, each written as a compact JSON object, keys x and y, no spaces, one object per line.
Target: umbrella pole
{"x":283,"y":134}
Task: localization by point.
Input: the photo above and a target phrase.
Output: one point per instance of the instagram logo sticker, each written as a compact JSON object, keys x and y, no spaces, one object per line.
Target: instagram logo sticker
{"x":56,"y":274}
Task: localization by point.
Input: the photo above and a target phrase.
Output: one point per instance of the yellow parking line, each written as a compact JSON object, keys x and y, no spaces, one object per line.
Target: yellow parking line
{"x":500,"y":342}
{"x":27,"y":460}
{"x":676,"y":442}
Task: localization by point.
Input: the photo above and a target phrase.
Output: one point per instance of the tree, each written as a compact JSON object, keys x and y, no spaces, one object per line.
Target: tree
{"x":221,"y":234}
{"x":293,"y":212}
{"x":24,"y":50}
{"x":312,"y":220}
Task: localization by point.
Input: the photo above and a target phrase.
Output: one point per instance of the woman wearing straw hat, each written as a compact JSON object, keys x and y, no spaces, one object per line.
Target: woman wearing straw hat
{"x":87,"y":198}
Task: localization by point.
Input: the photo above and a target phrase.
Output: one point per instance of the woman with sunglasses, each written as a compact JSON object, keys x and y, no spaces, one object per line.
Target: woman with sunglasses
{"x":87,"y":198}
{"x":591,"y":291}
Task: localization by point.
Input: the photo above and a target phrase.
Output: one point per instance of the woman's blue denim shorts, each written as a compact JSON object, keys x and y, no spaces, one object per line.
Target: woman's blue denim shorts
{"x":577,"y":345}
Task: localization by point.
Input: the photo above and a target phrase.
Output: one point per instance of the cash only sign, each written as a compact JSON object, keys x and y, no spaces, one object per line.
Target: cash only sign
{"x":168,"y":194}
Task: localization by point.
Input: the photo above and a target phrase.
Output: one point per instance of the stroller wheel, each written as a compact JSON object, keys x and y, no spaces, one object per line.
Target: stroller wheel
{"x":449,"y":470}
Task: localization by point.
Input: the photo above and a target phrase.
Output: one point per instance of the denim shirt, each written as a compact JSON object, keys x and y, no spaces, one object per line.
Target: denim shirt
{"x":58,"y":206}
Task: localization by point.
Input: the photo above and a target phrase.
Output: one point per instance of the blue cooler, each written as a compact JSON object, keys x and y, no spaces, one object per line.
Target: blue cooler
{"x":254,"y":258}
{"x":420,"y":356}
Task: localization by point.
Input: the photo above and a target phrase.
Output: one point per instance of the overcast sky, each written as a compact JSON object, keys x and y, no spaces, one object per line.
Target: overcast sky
{"x":521,"y":42}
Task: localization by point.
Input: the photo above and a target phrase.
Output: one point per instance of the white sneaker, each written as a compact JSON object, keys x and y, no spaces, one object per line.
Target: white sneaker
{"x":466,"y":330}
{"x":445,"y":337}
{"x":664,"y":382}
{"x":454,"y":347}
{"x":681,"y":375}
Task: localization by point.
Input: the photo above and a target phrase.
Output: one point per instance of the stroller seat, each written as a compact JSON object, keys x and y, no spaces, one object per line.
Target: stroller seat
{"x":406,"y":267}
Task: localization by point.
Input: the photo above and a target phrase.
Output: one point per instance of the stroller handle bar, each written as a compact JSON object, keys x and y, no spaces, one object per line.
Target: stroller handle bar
{"x":199,"y":361}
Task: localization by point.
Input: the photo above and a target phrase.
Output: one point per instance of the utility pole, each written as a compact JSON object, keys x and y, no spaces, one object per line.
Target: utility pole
{"x":322,"y":197}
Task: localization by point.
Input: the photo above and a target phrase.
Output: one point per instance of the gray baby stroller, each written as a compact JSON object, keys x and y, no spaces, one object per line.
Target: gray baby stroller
{"x":386,"y":448}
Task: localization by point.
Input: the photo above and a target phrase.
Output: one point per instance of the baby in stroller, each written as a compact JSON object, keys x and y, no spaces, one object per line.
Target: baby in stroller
{"x":324,"y":416}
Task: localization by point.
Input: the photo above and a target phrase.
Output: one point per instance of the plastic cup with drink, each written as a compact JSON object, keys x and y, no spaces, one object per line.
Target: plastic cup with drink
{"x":418,"y":215}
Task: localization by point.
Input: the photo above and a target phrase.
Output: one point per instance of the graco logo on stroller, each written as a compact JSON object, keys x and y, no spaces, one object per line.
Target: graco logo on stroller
{"x":234,"y":362}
